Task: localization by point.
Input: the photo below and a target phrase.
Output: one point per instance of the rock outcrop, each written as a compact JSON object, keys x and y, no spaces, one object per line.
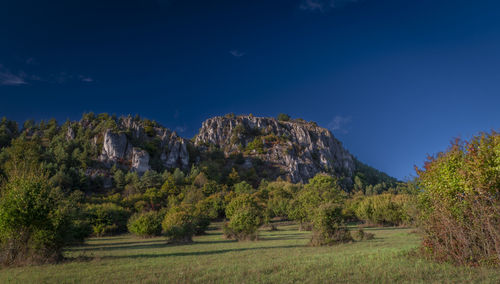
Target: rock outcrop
{"x":116,"y":148}
{"x":140,"y":161}
{"x":134,"y":143}
{"x":299,"y":149}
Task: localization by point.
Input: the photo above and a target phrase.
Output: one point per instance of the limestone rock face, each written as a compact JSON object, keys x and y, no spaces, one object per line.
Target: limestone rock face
{"x":131,"y":145}
{"x":178,"y":154}
{"x":116,"y":148}
{"x":299,"y":149}
{"x":140,"y":161}
{"x":70,"y":134}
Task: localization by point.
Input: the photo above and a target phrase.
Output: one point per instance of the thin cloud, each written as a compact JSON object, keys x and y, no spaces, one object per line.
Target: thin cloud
{"x":236,"y":53}
{"x":322,"y":5}
{"x":339,"y":123}
{"x":85,"y":79}
{"x":8,"y":78}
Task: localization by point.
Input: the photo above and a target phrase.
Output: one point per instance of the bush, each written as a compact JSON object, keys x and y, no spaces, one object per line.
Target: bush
{"x":35,"y":222}
{"x":179,"y":225}
{"x":107,"y":219}
{"x":460,"y":202}
{"x":245,"y":215}
{"x":320,"y":189}
{"x":328,"y":226}
{"x":243,"y":187}
{"x":283,"y":117}
{"x":146,"y":224}
{"x":243,"y":224}
{"x":385,"y":209}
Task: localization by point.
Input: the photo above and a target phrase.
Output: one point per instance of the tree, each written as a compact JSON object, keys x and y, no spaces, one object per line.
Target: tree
{"x":147,"y":224}
{"x":179,"y":225}
{"x":178,"y":176}
{"x":119,"y":178}
{"x":245,"y":216}
{"x":283,"y":117}
{"x":328,"y":226}
{"x":35,"y":221}
{"x":243,"y":187}
{"x":320,"y":189}
{"x":460,"y":201}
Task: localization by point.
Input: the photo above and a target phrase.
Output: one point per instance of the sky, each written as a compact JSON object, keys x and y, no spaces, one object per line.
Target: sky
{"x":394,"y":80}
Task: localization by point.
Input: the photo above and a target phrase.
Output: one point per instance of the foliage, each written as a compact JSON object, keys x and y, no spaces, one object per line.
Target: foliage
{"x":460,"y":202}
{"x":320,"y":189}
{"x":328,"y":226}
{"x":283,"y":117}
{"x":385,"y":209}
{"x":179,"y":225}
{"x":256,"y":145}
{"x":107,"y":218}
{"x":245,"y":216}
{"x":243,"y":187}
{"x":35,"y":221}
{"x":147,"y":224}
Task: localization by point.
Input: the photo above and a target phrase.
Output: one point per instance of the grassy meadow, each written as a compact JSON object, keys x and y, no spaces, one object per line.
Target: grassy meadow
{"x":281,"y":256}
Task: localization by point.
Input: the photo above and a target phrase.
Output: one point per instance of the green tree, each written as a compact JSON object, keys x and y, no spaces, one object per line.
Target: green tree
{"x":179,"y":225}
{"x":283,"y":117}
{"x":328,"y":226}
{"x":245,"y":216}
{"x":460,"y":201}
{"x":147,"y":224}
{"x":35,"y":221}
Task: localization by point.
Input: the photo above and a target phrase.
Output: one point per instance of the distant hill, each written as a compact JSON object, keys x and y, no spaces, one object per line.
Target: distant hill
{"x":255,"y":148}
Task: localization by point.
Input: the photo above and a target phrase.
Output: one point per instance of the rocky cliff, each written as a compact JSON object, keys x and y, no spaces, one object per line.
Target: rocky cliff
{"x":136,"y":144}
{"x":297,"y":149}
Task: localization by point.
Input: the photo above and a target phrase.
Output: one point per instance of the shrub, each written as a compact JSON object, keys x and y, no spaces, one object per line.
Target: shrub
{"x":211,"y":207}
{"x":243,"y":187}
{"x":256,"y":145}
{"x":283,"y":117}
{"x":385,"y":209}
{"x":243,"y":224}
{"x":35,"y":221}
{"x":178,"y":225}
{"x":320,"y":189}
{"x":241,"y":201}
{"x":107,"y":219}
{"x":328,"y":226}
{"x":245,"y":215}
{"x":460,"y":202}
{"x":146,"y":224}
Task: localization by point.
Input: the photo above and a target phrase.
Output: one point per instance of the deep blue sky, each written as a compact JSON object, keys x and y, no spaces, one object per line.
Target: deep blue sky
{"x":394,"y":80}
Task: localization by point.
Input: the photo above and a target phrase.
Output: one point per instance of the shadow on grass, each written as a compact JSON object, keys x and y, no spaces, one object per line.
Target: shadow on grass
{"x":141,"y":245}
{"x":195,"y":253}
{"x":385,"y":228}
{"x":117,"y":245}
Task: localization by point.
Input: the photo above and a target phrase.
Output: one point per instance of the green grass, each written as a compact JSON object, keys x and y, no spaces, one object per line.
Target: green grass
{"x":278,"y":257}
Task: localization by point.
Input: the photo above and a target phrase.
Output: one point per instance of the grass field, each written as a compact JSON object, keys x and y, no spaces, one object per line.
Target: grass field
{"x":278,"y":257}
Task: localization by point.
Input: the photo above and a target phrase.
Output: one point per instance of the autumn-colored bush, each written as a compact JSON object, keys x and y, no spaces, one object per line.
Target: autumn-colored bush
{"x":460,"y":202}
